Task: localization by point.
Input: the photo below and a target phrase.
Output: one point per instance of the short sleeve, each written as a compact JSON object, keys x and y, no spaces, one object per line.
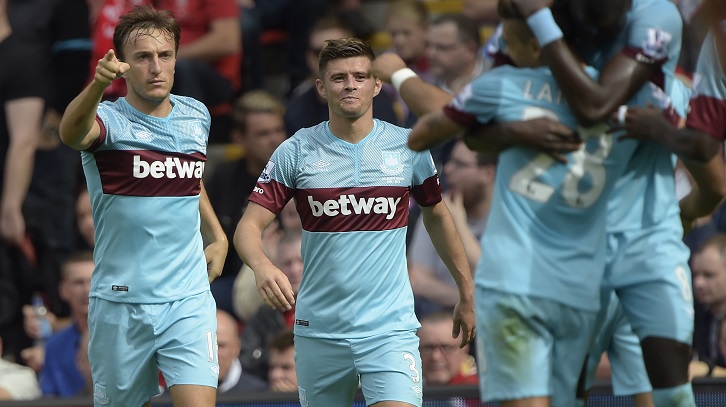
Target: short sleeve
{"x":654,"y":33}
{"x":478,"y":102}
{"x":276,"y":184}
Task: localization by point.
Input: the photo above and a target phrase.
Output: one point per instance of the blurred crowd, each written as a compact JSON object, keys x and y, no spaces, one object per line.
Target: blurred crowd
{"x":253,"y":63}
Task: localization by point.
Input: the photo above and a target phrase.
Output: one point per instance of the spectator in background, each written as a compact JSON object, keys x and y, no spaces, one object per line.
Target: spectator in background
{"x":453,"y":46}
{"x":267,"y":322}
{"x":60,"y":375}
{"x":258,"y":129}
{"x":443,"y":362}
{"x":84,"y":366}
{"x":484,"y":12}
{"x":282,"y":376}
{"x":22,"y":89}
{"x":17,"y":382}
{"x":84,"y":220}
{"x":407,"y":24}
{"x":708,"y":266}
{"x":306,"y":108}
{"x":470,"y":181}
{"x":232,"y":378}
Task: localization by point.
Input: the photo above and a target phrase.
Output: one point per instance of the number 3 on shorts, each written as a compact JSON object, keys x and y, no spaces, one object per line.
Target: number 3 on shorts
{"x":415,"y":376}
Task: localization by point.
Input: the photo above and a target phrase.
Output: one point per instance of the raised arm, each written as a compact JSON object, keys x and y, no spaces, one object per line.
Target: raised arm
{"x":432,"y":129}
{"x":594,"y":101}
{"x":214,"y":237}
{"x":274,"y":287}
{"x":446,"y":240}
{"x":78,"y":127}
{"x":420,"y":96}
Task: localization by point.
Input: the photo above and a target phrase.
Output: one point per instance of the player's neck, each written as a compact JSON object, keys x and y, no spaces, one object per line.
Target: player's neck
{"x":352,"y":130}
{"x":151,"y":108}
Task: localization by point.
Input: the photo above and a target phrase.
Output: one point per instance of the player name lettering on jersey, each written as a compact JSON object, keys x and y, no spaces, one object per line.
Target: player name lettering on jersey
{"x":350,"y":204}
{"x":171,"y":167}
{"x":543,"y":93}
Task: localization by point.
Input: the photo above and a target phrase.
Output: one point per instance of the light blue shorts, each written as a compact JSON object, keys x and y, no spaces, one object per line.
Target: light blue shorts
{"x":130,"y":343}
{"x":615,"y":337}
{"x":648,"y":269}
{"x":387,"y":367}
{"x":533,"y":347}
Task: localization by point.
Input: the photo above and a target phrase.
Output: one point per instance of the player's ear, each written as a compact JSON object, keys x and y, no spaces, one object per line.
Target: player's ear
{"x":321,"y":89}
{"x":378,"y":86}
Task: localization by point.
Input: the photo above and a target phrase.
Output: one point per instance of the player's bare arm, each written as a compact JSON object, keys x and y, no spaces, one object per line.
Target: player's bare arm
{"x":216,"y":250}
{"x":420,"y":97}
{"x":650,"y":124}
{"x":542,"y":134}
{"x":432,"y":129}
{"x":442,"y":231}
{"x":78,"y":127}
{"x":707,"y":193}
{"x":591,"y":101}
{"x":272,"y":284}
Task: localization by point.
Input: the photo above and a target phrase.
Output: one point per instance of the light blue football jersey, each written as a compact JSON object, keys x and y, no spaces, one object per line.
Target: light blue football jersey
{"x":353,"y":203}
{"x":708,"y":105}
{"x":144,"y":178}
{"x":546,"y":230}
{"x":645,"y":194}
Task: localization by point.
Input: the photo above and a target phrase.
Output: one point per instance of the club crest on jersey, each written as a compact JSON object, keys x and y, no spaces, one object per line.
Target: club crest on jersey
{"x":656,"y":46}
{"x":265,"y":176}
{"x":99,"y":394}
{"x":392,"y":163}
{"x":198,"y":132}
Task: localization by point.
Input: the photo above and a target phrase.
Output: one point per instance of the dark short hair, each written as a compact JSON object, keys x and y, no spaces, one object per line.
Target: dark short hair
{"x":467,"y":28}
{"x":284,"y":340}
{"x":80,"y":256}
{"x":344,"y":48}
{"x":145,"y":19}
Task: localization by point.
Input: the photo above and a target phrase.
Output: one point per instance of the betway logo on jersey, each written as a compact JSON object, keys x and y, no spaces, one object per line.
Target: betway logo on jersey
{"x":171,"y":167}
{"x":350,"y":204}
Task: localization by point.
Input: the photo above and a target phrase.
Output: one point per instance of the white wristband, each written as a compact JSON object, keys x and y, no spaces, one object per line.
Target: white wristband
{"x":622,"y":113}
{"x":400,"y":76}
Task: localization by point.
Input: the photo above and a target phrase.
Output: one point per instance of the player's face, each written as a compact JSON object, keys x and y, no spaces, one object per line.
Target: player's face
{"x":441,"y":357}
{"x":408,"y":38}
{"x":349,"y":87}
{"x":709,"y":277}
{"x":264,"y":132}
{"x":521,"y":47}
{"x":152,"y":57}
